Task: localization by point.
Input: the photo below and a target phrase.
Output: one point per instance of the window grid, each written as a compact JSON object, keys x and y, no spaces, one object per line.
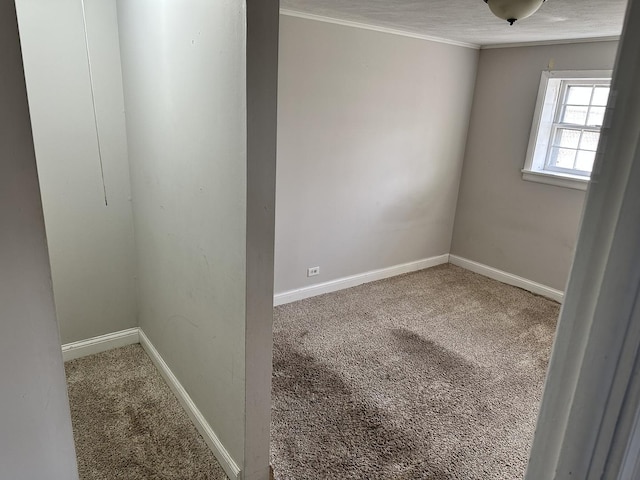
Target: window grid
{"x":559,"y":125}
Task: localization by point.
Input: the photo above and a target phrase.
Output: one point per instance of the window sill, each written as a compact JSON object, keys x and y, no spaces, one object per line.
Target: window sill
{"x":559,"y":180}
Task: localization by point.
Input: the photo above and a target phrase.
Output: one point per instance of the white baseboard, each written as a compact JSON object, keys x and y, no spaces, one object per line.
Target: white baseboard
{"x":225,"y":459}
{"x":99,"y":344}
{"x":507,"y":278}
{"x":355,"y":280}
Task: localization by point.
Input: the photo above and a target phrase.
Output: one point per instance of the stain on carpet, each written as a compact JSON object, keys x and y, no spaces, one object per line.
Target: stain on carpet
{"x":323,"y":397}
{"x":436,"y":375}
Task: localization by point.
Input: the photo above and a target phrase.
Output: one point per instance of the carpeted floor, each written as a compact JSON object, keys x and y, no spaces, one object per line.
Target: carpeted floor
{"x":431,"y":375}
{"x":128,"y":425}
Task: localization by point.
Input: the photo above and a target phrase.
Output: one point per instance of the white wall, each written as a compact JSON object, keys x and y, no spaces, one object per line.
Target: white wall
{"x":524,"y":228}
{"x":371,"y":136}
{"x":90,"y":244}
{"x":184,"y":78}
{"x":204,"y":243}
{"x":35,"y":424}
{"x":262,"y":104}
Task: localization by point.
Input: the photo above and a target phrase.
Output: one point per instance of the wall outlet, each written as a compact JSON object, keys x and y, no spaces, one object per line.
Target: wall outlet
{"x":313,"y":271}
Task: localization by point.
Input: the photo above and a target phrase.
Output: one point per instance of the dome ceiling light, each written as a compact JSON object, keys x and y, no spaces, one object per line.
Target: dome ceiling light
{"x":512,"y":10}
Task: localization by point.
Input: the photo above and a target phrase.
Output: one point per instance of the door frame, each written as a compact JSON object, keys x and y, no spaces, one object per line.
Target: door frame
{"x":589,"y":421}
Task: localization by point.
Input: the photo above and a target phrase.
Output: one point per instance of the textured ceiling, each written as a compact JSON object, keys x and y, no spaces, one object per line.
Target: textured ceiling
{"x":470,"y":21}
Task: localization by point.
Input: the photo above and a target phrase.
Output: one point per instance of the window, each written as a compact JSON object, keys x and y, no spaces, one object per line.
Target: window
{"x":566,"y":129}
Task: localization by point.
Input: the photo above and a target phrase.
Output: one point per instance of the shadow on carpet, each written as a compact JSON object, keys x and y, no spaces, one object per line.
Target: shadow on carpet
{"x":127,"y":424}
{"x":432,"y":375}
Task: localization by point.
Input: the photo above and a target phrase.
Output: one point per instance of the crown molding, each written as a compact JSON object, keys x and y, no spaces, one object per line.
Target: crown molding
{"x":375,"y":28}
{"x":430,"y":38}
{"x":543,"y":43}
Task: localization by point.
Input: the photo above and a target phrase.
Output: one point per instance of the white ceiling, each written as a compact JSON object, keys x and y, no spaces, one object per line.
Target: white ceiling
{"x":470,"y":21}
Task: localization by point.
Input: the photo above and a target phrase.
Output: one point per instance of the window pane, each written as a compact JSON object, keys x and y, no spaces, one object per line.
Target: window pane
{"x":575,"y":115}
{"x":600,"y":96}
{"x":579,"y":95}
{"x":596,"y":116}
{"x":584,"y":161}
{"x":567,"y":138}
{"x":590,"y":141}
{"x":562,"y":157}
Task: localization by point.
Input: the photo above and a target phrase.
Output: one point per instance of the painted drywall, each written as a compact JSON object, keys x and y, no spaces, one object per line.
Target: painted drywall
{"x":524,"y":228}
{"x":184,"y":71}
{"x":36,"y":439}
{"x":371,"y":136}
{"x":91,"y":244}
{"x":262,"y":90}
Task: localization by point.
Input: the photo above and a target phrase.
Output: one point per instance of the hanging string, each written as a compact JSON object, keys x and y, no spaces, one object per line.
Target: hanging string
{"x":93,"y":101}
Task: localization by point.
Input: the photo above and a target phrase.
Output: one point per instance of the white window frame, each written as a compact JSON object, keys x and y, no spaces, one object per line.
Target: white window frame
{"x":552,"y":87}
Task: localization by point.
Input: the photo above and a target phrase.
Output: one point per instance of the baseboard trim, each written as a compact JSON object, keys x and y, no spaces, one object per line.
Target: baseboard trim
{"x":507,"y":278}
{"x":216,"y":446}
{"x":102,"y":343}
{"x":355,"y":280}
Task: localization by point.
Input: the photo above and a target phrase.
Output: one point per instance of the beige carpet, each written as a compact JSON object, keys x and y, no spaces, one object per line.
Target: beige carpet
{"x":432,"y":375}
{"x":128,"y":424}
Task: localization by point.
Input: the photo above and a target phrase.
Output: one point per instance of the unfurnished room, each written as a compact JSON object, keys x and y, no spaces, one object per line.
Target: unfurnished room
{"x":320,"y":239}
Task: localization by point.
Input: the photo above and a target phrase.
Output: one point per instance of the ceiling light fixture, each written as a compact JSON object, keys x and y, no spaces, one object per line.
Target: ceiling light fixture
{"x":512,"y":10}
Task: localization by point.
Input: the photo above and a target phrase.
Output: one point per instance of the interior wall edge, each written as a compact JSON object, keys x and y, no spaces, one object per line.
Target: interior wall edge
{"x":36,"y":436}
{"x":262,"y":36}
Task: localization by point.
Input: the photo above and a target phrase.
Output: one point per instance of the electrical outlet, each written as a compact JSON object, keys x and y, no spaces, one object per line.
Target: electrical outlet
{"x":313,"y":271}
